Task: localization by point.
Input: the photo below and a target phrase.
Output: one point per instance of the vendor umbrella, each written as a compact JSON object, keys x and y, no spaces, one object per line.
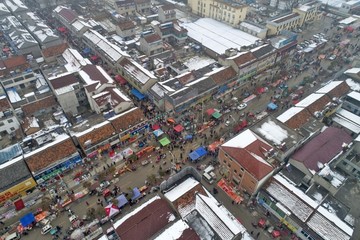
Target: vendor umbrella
{"x":164,"y":141}
{"x":111,"y":210}
{"x":275,"y":233}
{"x":158,"y":133}
{"x":210,"y":111}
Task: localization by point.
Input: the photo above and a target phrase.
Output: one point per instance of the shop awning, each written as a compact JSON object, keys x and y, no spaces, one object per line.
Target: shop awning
{"x":164,"y":141}
{"x":216,"y":115}
{"x":155,"y":127}
{"x":158,"y":132}
{"x":27,"y":219}
{"x":122,"y":201}
{"x":120,"y":80}
{"x":171,"y":120}
{"x":179,"y":128}
{"x":136,"y":194}
{"x":210,"y":111}
{"x":86,"y":51}
{"x":127,"y":152}
{"x":188,"y":137}
{"x":137,"y":94}
{"x":272,"y":106}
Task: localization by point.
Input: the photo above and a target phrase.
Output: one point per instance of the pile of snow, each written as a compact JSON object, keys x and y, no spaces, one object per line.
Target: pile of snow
{"x":273,"y":132}
{"x":336,"y":179}
{"x":197,"y":62}
{"x":353,"y":85}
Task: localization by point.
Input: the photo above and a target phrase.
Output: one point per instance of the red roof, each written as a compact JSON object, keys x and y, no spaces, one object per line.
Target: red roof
{"x":322,"y":148}
{"x":248,"y":158}
{"x":147,"y":222}
{"x":178,"y":128}
{"x":68,"y":14}
{"x":120,"y":79}
{"x":152,"y":38}
{"x":64,"y":81}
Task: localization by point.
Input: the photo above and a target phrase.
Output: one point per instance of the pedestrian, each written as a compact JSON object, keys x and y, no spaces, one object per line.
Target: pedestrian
{"x":252,"y":232}
{"x":257,"y":235}
{"x":232,"y":202}
{"x":2,"y":223}
{"x":87,"y":204}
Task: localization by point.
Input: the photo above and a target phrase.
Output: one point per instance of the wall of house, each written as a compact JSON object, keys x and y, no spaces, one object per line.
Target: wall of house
{"x":69,"y":102}
{"x":300,"y":166}
{"x":9,"y":124}
{"x":123,"y":107}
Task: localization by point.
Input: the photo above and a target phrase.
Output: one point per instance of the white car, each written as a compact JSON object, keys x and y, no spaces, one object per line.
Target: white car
{"x":332,"y":57}
{"x":242,"y":106}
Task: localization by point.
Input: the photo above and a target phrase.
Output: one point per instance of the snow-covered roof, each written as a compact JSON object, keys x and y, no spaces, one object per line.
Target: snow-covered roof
{"x":288,"y":114}
{"x":218,"y":36}
{"x":79,"y":25}
{"x":353,"y":85}
{"x":242,"y":140}
{"x":273,"y":132}
{"x":198,"y":62}
{"x":174,"y":231}
{"x":57,"y":139}
{"x":354,"y":95}
{"x":13,"y":95}
{"x":252,"y":27}
{"x":337,"y":179}
{"x":309,"y":100}
{"x":181,"y":189}
{"x":135,"y":211}
{"x":352,"y":71}
{"x":3,"y":9}
{"x":138,"y":72}
{"x":110,"y":50}
{"x":74,"y":60}
{"x":329,"y":226}
{"x":79,"y":134}
{"x":328,"y":87}
{"x":348,"y":20}
{"x":346,"y":123}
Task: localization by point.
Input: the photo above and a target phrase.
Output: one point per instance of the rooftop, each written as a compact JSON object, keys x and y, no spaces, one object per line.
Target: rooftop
{"x":138,"y":72}
{"x":125,"y":120}
{"x":285,"y":18}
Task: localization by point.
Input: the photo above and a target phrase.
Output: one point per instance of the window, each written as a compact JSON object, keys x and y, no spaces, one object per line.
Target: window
{"x":235,"y":171}
{"x":241,"y":169}
{"x":29,"y":76}
{"x":8,"y":82}
{"x":10,"y":121}
{"x":229,"y":165}
{"x":12,"y":129}
{"x":18,"y":79}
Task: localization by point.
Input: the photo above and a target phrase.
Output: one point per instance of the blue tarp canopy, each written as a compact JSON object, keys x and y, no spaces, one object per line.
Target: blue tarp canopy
{"x":201,"y":151}
{"x":188,"y":137}
{"x":122,"y":201}
{"x":136,"y":194}
{"x":27,"y":219}
{"x":86,"y":51}
{"x":158,"y":132}
{"x":194,"y":156}
{"x":272,"y":106}
{"x":137,"y":94}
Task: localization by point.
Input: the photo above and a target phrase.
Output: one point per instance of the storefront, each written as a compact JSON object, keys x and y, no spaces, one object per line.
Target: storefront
{"x":17,"y":190}
{"x":132,"y":134}
{"x":59,"y":168}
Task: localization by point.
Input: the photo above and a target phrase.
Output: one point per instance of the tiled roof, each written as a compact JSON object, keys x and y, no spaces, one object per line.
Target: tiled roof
{"x":167,"y":7}
{"x":108,"y":96}
{"x":97,"y":135}
{"x":4,"y":104}
{"x":64,"y":81}
{"x":15,"y":61}
{"x":186,"y":78}
{"x":54,"y":50}
{"x":13,"y":174}
{"x":152,"y":38}
{"x":96,"y":76}
{"x":299,"y":119}
{"x":147,"y":222}
{"x":244,"y":58}
{"x":34,"y":107}
{"x":223,"y":75}
{"x":319,"y":104}
{"x":124,"y":120}
{"x":262,"y":51}
{"x":68,"y":14}
{"x":127,"y":25}
{"x":340,"y":90}
{"x":251,"y":158}
{"x":50,"y":155}
{"x":322,"y":148}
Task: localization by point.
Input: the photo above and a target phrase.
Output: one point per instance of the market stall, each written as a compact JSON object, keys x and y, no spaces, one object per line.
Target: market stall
{"x":158,"y":132}
{"x":122,"y":201}
{"x":164,"y":141}
{"x":111,"y":210}
{"x":179,"y":128}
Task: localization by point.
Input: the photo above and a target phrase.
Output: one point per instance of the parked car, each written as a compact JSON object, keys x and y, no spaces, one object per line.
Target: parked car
{"x":242,"y":106}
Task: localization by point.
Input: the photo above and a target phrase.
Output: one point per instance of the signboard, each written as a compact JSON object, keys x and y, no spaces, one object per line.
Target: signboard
{"x":19,"y":189}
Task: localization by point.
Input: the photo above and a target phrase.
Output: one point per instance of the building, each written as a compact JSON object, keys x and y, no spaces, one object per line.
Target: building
{"x":110,"y":53}
{"x":285,"y":44}
{"x":335,"y":89}
{"x":68,"y":92}
{"x":200,"y":210}
{"x":354,"y":73}
{"x":65,"y":15}
{"x":246,"y":161}
{"x":51,"y":53}
{"x":352,"y":102}
{"x":151,"y":44}
{"x":101,"y":91}
{"x":79,"y":27}
{"x":8,"y":120}
{"x":265,"y":57}
{"x":346,"y":120}
{"x":254,"y":29}
{"x":49,"y":153}
{"x":308,"y":12}
{"x":130,"y":125}
{"x":95,"y":139}
{"x":230,"y":12}
{"x":309,"y":217}
{"x":166,"y":13}
{"x":143,"y":6}
{"x":16,"y":179}
{"x":4,"y":11}
{"x":315,"y":103}
{"x":289,"y":21}
{"x":126,"y":29}
{"x":125,"y":7}
{"x":282,"y":138}
{"x":171,"y":32}
{"x":136,"y":75}
{"x":16,"y":6}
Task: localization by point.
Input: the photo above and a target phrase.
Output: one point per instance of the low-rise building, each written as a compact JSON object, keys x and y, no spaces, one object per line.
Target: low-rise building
{"x":352,"y":102}
{"x":51,"y":53}
{"x":166,"y":13}
{"x":65,"y":15}
{"x":125,"y":7}
{"x":126,"y":29}
{"x":230,"y":12}
{"x":315,"y":103}
{"x":151,"y":44}
{"x":16,"y":6}
{"x":171,"y":32}
{"x":308,"y":12}
{"x":136,"y":75}
{"x":286,"y":22}
{"x":49,"y":153}
{"x":246,"y":161}
{"x":8,"y":120}
{"x":143,"y":6}
{"x":354,"y":73}
{"x":265,"y":57}
{"x":253,"y":29}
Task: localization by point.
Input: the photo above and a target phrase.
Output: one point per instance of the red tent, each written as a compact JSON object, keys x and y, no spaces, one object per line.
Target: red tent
{"x":62,"y":29}
{"x":94,"y":58}
{"x":262,"y":222}
{"x":178,"y":128}
{"x":210,"y":111}
{"x":120,"y":80}
{"x":155,"y":127}
{"x":275,"y":233}
{"x":111,"y":209}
